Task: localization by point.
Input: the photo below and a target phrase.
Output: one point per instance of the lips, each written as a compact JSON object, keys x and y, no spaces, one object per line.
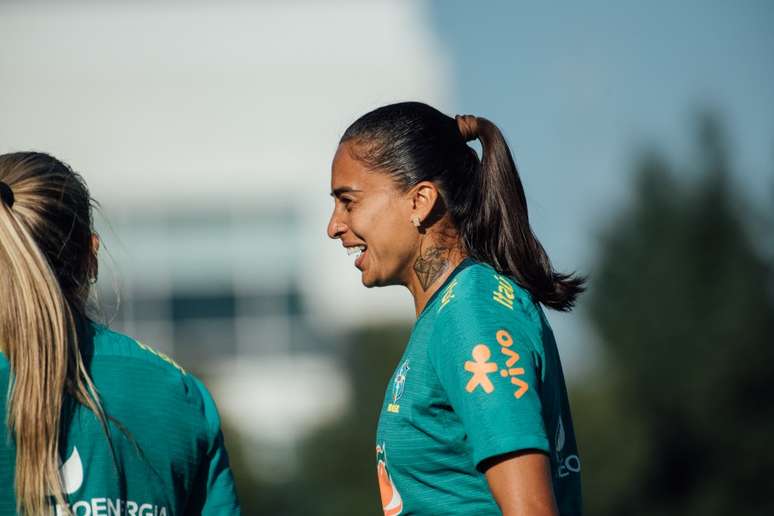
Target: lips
{"x":360,"y":259}
{"x":359,"y":251}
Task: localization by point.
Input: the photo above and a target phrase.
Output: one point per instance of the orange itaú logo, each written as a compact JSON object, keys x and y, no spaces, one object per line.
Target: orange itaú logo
{"x":392,"y":503}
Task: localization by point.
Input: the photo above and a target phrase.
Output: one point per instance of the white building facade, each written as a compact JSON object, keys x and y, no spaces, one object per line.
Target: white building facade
{"x":206,"y":130}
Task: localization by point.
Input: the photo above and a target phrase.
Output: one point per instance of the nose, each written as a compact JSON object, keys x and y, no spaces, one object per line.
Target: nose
{"x":336,"y":228}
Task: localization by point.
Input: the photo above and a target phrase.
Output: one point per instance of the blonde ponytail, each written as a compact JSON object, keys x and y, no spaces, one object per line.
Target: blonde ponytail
{"x":39,"y":336}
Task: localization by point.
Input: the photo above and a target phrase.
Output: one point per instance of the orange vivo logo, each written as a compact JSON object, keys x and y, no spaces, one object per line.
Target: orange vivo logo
{"x":480,"y":367}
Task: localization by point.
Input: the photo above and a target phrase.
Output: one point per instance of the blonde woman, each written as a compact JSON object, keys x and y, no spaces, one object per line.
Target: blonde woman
{"x":96,"y":423}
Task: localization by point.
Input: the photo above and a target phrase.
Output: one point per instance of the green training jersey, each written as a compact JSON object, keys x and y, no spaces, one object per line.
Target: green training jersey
{"x":169,"y":453}
{"x":480,"y":377}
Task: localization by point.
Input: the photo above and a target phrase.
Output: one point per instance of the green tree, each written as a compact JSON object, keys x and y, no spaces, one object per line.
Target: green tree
{"x":337,"y":473}
{"x":680,"y":420}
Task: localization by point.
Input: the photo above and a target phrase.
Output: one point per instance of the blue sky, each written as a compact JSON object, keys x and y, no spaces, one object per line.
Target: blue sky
{"x":579,"y":88}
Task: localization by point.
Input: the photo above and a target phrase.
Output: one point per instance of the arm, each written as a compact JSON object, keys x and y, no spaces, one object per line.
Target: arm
{"x":214,"y":492}
{"x":487,"y":357}
{"x":521,"y":483}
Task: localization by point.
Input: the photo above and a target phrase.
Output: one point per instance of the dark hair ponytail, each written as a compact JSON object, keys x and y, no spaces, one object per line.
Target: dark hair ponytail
{"x":414,"y":142}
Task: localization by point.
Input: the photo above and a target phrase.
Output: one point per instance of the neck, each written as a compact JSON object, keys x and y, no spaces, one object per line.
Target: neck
{"x":433,"y":265}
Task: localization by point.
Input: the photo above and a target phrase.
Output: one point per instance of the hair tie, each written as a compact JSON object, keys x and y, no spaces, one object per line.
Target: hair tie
{"x":468,"y":126}
{"x":7,"y":194}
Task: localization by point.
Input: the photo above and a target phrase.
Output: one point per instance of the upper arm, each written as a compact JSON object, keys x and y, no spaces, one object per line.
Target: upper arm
{"x":491,"y":372}
{"x":521,"y":483}
{"x":214,"y":492}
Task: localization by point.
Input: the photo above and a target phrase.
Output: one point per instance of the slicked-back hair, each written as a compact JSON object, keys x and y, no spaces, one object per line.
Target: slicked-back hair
{"x":414,"y":142}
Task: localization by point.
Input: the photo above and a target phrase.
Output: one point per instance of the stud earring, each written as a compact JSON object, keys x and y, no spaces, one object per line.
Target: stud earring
{"x":415,"y":220}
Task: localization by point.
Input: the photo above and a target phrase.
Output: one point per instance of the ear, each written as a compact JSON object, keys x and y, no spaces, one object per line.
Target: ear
{"x":94,"y":243}
{"x":423,"y":198}
{"x":93,"y":261}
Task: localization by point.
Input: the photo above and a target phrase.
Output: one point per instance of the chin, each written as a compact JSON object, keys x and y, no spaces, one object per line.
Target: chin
{"x":370,"y":281}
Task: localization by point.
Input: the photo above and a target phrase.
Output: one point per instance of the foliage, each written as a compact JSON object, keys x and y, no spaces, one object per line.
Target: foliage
{"x":337,"y":475}
{"x":680,"y":420}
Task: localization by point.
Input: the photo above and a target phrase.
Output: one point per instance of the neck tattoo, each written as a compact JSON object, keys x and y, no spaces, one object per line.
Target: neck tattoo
{"x":430,"y":265}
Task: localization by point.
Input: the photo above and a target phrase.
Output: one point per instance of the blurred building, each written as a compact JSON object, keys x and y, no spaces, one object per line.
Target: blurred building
{"x":209,"y":282}
{"x":206,"y":132}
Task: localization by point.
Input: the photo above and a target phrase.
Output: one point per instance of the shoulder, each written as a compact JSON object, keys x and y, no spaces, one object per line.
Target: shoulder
{"x":122,"y":363}
{"x":479,"y":288}
{"x":108,"y":343}
{"x":119,"y":362}
{"x":479,"y":302}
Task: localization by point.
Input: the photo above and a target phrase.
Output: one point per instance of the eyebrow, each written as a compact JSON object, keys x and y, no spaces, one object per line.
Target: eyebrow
{"x":342,"y":190}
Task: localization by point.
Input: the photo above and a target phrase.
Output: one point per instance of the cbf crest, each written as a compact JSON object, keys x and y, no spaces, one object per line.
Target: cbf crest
{"x":398,"y":386}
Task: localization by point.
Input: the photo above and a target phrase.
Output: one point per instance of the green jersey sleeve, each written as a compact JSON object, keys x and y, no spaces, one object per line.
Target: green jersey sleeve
{"x":489,"y":362}
{"x":215,"y":493}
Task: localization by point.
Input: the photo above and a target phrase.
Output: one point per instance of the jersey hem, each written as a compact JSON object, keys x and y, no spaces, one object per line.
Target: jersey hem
{"x":515,"y":444}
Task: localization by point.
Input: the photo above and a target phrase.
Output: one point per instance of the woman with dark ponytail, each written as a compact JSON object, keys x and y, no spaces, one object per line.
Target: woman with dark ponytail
{"x":95,"y":422}
{"x":475,"y":418}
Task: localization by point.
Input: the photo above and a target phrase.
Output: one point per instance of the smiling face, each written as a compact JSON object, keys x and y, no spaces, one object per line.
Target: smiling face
{"x":372,"y":214}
